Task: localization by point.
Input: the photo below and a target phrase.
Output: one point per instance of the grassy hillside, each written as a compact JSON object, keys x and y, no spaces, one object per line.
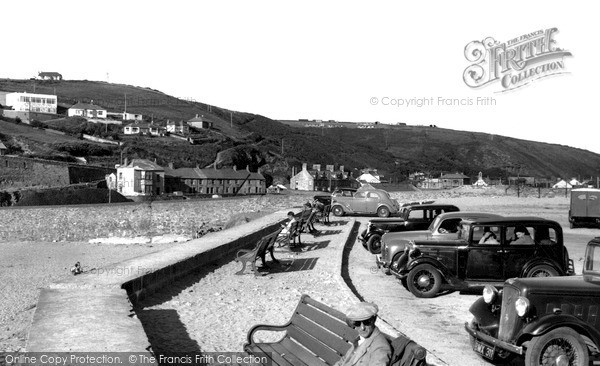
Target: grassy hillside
{"x":246,"y":139}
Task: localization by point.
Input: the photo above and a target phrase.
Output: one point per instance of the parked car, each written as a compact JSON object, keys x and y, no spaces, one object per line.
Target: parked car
{"x":444,"y":227}
{"x":412,"y":217}
{"x":548,"y":321}
{"x":366,"y":200}
{"x":585,"y":207}
{"x":325,"y":199}
{"x":426,"y":267}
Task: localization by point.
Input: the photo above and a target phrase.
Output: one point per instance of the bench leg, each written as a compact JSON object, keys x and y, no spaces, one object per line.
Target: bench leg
{"x":272,"y":257}
{"x":241,"y":271}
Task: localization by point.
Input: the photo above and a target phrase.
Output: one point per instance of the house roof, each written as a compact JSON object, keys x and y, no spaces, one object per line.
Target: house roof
{"x":200,"y":119}
{"x":143,"y":164}
{"x":144,"y":125}
{"x":211,"y":173}
{"x":2,"y":146}
{"x":454,"y":176}
{"x":86,"y":106}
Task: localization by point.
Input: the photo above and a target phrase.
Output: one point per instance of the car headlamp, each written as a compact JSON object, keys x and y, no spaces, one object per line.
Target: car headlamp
{"x":489,"y":294}
{"x":522,"y":306}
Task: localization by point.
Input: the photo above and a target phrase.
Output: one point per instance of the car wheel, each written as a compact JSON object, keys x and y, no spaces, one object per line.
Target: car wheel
{"x":561,"y":346}
{"x":374,"y":244}
{"x":424,"y":281}
{"x":542,"y":270}
{"x":337,"y":211}
{"x":383,"y":211}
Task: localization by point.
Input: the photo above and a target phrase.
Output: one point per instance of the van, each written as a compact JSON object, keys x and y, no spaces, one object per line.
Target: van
{"x":585,"y":207}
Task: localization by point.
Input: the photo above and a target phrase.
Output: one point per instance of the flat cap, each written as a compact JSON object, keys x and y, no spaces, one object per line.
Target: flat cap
{"x":362,"y":311}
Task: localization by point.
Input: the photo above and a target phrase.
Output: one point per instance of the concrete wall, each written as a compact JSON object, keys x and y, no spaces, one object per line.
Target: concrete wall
{"x":147,"y":219}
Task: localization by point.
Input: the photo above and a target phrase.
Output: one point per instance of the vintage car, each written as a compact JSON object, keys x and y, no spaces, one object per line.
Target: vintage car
{"x":585,"y":207}
{"x":444,"y":227}
{"x":366,"y":200}
{"x":523,"y":247}
{"x":343,"y":192}
{"x":548,"y":321}
{"x":412,"y":217}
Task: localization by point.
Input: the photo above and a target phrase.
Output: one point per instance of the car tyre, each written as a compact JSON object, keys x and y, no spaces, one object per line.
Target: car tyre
{"x":337,"y":211}
{"x":424,"y":281}
{"x":561,"y":342}
{"x":374,"y":244}
{"x":542,"y":270}
{"x":383,"y":211}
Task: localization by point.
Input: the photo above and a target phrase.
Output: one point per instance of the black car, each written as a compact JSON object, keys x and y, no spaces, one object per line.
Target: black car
{"x":412,"y":217}
{"x":521,"y":247}
{"x":548,"y":321}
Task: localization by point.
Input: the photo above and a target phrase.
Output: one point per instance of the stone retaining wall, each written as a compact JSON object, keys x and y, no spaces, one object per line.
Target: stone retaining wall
{"x":146,"y":219}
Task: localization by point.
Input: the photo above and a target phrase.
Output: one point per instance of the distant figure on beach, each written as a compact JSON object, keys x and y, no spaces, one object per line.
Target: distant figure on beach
{"x":76,"y":269}
{"x":372,"y":348}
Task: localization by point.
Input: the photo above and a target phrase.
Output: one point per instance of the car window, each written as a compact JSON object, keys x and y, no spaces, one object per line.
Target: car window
{"x":481,"y":239}
{"x":545,"y":235}
{"x":449,"y":226}
{"x":592,"y":261}
{"x":373,"y":195}
{"x":519,"y":235}
{"x":416,"y":214}
{"x":360,"y":195}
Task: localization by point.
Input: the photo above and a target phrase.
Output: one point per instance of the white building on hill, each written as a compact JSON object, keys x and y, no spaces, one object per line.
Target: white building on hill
{"x":27,"y":102}
{"x":87,"y":110}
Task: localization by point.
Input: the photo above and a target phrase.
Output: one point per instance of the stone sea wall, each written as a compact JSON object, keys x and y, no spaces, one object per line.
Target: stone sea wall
{"x":129,"y":220}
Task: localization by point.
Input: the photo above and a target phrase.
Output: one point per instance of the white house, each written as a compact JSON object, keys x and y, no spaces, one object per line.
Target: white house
{"x":141,"y":177}
{"x":27,"y":102}
{"x":87,"y":110}
{"x":144,"y":128}
{"x":303,"y":181}
{"x":179,"y":128}
{"x":125,"y":116}
{"x":200,"y":122}
{"x":44,"y":75}
{"x":368,"y":178}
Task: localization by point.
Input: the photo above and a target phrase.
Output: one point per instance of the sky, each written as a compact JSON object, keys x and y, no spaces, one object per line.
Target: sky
{"x":386,"y":61}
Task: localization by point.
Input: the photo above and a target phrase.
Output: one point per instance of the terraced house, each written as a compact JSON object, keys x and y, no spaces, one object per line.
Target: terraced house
{"x":227,"y":181}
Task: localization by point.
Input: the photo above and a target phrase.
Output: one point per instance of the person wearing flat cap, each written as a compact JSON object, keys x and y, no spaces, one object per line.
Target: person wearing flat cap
{"x":372,"y":348}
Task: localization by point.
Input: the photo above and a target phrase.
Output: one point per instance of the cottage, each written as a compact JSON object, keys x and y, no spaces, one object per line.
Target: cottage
{"x":179,"y":128}
{"x":88,"y":110}
{"x":144,"y":128}
{"x":141,"y":177}
{"x":227,"y":181}
{"x":453,"y":180}
{"x":49,"y":76}
{"x":303,"y":181}
{"x":200,"y":122}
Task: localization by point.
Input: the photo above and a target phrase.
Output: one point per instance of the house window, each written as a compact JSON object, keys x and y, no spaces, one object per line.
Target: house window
{"x":120,"y":175}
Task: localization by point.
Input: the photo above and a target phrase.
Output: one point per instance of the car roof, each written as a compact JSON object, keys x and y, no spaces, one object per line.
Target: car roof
{"x":510,"y":219}
{"x":430,"y":205}
{"x":473,"y":215}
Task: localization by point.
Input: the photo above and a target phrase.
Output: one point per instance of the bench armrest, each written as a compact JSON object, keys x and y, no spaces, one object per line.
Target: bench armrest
{"x":276,"y":328}
{"x":242,"y":252}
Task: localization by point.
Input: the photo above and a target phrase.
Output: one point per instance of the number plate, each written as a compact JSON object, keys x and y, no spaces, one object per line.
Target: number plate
{"x":484,"y":350}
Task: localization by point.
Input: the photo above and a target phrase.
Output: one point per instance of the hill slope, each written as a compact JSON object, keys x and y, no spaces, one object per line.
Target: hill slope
{"x":244,"y":139}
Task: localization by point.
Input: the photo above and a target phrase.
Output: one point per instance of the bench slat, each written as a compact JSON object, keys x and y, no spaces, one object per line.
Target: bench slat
{"x":333,"y":341}
{"x":302,"y":354}
{"x":279,"y":354}
{"x":326,"y":309}
{"x":334,"y":325}
{"x":314,"y":345}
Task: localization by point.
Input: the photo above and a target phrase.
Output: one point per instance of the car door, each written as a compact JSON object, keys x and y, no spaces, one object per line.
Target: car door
{"x":417,"y":219}
{"x":517,"y":254}
{"x":359,"y":202}
{"x":485,"y":261}
{"x":372,"y":202}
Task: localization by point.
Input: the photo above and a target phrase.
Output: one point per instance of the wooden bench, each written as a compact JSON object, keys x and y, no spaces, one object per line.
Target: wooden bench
{"x":291,"y":236}
{"x":307,"y":222}
{"x":323,"y":216}
{"x":264,"y":244}
{"x":319,"y":335}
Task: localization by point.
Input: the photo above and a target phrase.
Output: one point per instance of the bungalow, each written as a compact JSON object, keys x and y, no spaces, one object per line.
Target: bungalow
{"x":180,"y":128}
{"x":125,"y":116}
{"x":200,"y":122}
{"x":88,"y":110}
{"x":453,"y":180}
{"x":141,"y":177}
{"x":144,"y":128}
{"x":49,"y":76}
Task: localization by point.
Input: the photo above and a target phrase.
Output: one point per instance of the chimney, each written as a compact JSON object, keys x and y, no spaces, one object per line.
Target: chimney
{"x":248,"y":168}
{"x":196,"y":115}
{"x":341,"y":168}
{"x":304,"y":166}
{"x":171,"y":166}
{"x":125,"y":164}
